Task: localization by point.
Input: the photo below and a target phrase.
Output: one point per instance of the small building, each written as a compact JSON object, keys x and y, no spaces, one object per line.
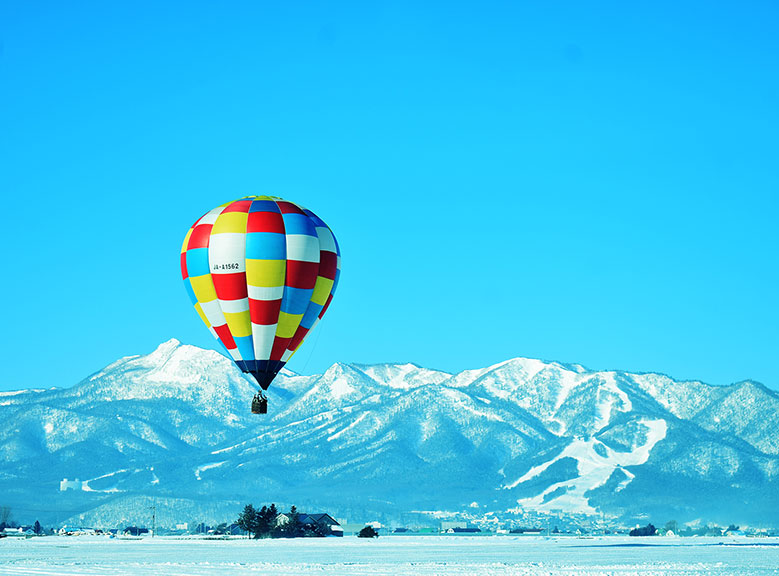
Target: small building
{"x":448,"y":525}
{"x":66,"y":484}
{"x":234,"y":530}
{"x":352,"y":527}
{"x":76,"y":531}
{"x":323,"y":524}
{"x":527,"y":531}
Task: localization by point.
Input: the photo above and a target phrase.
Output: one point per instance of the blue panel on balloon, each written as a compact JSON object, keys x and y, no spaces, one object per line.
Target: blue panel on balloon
{"x":264,"y":206}
{"x":311,"y":315}
{"x":197,"y":262}
{"x":245,"y":346}
{"x":296,"y":300}
{"x":298,"y":224}
{"x":266,"y":246}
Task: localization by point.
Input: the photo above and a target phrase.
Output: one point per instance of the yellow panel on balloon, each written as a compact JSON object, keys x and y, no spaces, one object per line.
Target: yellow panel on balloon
{"x":239,"y":323}
{"x":230,"y":222}
{"x":288,"y":324}
{"x":266,"y":273}
{"x":321,"y":290}
{"x":202,"y":315}
{"x":203,"y":287}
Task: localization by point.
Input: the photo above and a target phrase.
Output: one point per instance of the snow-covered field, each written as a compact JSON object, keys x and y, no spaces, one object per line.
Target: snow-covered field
{"x":396,"y":555}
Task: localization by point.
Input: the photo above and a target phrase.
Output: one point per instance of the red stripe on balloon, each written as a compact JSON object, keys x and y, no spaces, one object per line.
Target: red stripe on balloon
{"x":279,"y":347}
{"x":301,"y":274}
{"x":325,"y":307}
{"x":225,"y":336}
{"x":230,"y":286}
{"x":237,"y":206}
{"x":199,"y":237}
{"x":265,"y":312}
{"x":328,"y":264}
{"x":297,"y":339}
{"x":289,"y":208}
{"x":265,"y":222}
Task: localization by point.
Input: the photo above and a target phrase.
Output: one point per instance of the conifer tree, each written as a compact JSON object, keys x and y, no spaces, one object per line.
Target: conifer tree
{"x":262,"y":526}
{"x":248,"y":520}
{"x":293,"y":526}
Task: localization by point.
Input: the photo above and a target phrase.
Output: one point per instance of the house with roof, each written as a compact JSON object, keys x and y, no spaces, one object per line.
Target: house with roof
{"x":282,"y":519}
{"x":322,"y":524}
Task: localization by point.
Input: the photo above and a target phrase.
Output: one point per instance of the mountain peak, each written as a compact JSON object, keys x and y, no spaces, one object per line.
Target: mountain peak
{"x":753,"y":385}
{"x":166,"y":348}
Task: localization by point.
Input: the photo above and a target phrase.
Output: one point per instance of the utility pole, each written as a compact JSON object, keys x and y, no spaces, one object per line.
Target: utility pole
{"x":153,"y":509}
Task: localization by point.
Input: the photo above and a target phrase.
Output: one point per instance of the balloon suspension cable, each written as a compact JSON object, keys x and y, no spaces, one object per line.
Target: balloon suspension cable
{"x":311,"y":352}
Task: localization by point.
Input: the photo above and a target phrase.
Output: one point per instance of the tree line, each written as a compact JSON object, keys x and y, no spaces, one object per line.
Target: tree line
{"x":267,"y":522}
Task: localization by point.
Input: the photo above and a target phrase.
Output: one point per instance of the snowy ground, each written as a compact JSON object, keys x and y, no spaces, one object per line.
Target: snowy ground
{"x":396,"y":555}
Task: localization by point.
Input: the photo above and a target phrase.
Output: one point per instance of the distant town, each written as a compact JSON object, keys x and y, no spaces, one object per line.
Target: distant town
{"x":268,"y":522}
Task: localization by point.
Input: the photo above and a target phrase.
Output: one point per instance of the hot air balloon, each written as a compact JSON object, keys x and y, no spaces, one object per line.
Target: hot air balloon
{"x":261,"y":272}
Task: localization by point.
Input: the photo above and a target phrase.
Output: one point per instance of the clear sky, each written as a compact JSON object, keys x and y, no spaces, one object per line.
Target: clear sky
{"x":584,"y":182}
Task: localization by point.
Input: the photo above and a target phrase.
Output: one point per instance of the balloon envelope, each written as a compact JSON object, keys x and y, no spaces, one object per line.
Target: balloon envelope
{"x":261,"y":272}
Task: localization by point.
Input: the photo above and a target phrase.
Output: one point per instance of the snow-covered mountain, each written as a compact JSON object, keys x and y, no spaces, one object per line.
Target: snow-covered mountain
{"x":173,"y":429}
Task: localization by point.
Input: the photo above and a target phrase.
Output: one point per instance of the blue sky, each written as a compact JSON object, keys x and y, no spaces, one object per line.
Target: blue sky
{"x":583,"y":182}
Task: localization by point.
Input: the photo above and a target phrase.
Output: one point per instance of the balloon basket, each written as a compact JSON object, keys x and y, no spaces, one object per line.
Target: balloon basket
{"x":260,"y":405}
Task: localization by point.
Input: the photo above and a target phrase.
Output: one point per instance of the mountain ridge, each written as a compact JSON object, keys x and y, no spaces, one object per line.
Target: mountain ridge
{"x":518,"y":438}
